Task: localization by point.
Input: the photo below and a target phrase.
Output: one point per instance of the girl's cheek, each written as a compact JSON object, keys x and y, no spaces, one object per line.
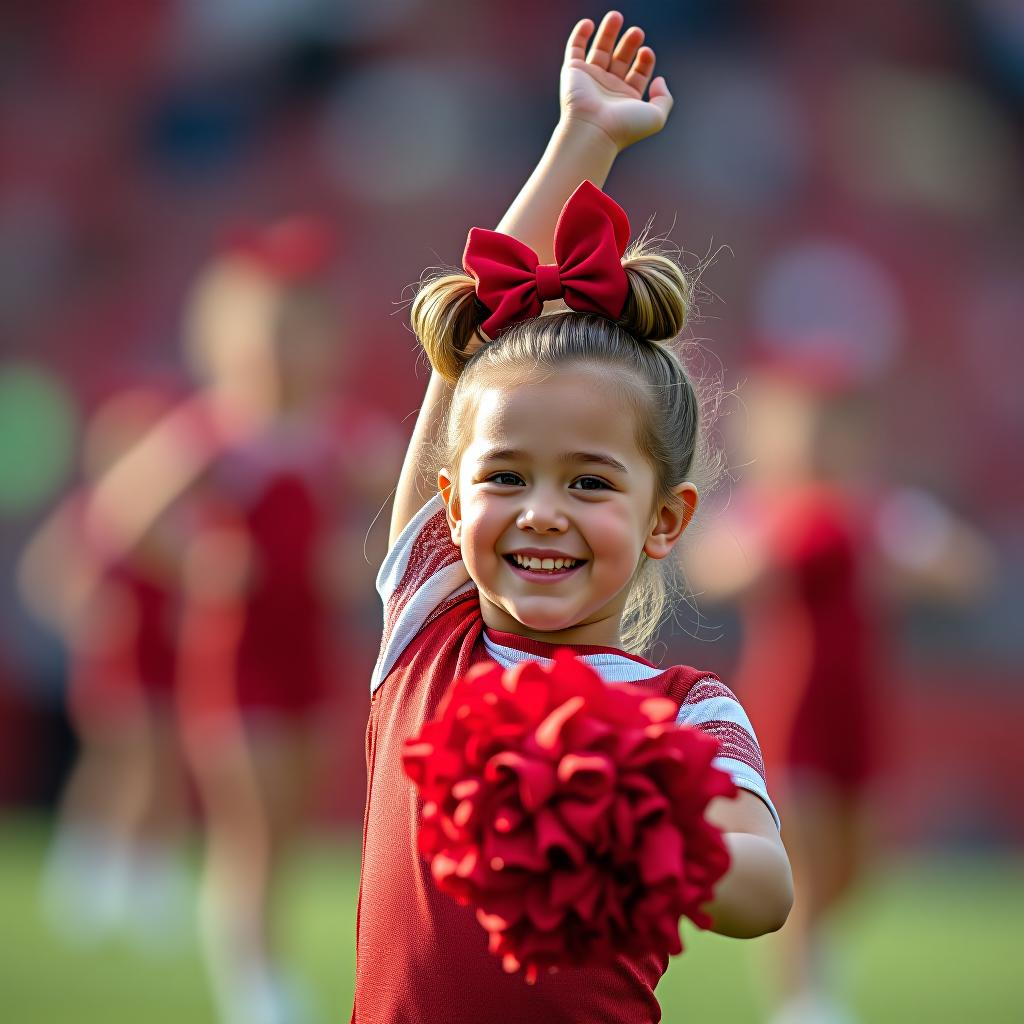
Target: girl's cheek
{"x":478,"y":513}
{"x":479,"y":534}
{"x":617,"y":544}
{"x":612,"y":527}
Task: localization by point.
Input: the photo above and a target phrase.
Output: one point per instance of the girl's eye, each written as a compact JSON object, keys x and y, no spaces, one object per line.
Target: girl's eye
{"x":505,"y":479}
{"x":590,"y":483}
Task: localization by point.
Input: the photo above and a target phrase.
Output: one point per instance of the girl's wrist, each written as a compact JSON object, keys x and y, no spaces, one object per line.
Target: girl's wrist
{"x":581,"y":131}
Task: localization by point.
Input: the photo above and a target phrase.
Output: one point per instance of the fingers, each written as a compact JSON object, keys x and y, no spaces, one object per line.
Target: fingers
{"x":604,"y":42}
{"x":640,"y":73}
{"x":576,"y":47}
{"x":660,"y":97}
{"x":625,"y":52}
{"x":628,"y":59}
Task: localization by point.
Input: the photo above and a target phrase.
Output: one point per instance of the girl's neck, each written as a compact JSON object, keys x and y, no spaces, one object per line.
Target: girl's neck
{"x":603,"y":631}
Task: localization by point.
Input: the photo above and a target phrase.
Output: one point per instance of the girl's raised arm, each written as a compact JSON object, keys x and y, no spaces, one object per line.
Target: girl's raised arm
{"x":603,"y":111}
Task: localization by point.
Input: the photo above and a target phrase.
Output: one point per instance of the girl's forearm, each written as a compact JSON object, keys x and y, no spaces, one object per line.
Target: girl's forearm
{"x":578,"y":151}
{"x":756,"y":894}
{"x":414,"y":489}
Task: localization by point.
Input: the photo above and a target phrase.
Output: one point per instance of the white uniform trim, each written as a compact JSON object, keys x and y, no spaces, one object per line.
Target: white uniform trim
{"x":714,"y":709}
{"x":397,"y":560}
{"x":447,"y":581}
{"x":746,"y":778}
{"x":613,"y":668}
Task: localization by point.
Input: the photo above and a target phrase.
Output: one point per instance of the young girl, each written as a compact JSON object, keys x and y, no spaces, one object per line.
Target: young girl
{"x":568,"y":441}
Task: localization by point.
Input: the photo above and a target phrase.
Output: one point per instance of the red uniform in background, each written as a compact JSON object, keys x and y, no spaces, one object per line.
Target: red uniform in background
{"x":127,"y":654}
{"x":286,"y":497}
{"x":271,"y":493}
{"x":809,"y":670}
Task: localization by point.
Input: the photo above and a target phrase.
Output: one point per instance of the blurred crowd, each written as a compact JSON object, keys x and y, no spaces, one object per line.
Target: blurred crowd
{"x":844,"y":179}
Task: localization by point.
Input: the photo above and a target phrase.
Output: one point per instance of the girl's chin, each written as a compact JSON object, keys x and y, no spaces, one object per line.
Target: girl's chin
{"x":542,"y":621}
{"x":544,"y":626}
{"x":533,"y":620}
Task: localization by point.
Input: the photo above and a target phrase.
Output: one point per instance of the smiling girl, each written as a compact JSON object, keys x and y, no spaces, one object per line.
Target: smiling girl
{"x":568,"y":441}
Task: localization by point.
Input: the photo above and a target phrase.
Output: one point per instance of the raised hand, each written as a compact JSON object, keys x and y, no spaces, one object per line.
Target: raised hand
{"x":604,"y":85}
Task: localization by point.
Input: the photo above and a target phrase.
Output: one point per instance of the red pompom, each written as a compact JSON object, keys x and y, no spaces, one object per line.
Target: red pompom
{"x":568,"y":812}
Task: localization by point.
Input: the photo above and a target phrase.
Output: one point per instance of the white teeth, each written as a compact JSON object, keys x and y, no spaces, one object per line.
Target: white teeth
{"x":543,"y":564}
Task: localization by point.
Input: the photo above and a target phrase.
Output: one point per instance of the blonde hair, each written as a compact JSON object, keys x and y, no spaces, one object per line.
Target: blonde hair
{"x":446,"y":317}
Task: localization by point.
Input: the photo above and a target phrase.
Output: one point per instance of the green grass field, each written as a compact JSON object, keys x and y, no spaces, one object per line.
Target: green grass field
{"x":936,"y":941}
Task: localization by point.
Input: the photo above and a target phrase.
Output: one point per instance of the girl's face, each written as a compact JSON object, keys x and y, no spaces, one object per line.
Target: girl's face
{"x":555,"y":505}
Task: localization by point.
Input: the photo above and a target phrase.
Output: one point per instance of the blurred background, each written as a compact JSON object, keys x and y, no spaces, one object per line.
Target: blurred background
{"x":849,"y":179}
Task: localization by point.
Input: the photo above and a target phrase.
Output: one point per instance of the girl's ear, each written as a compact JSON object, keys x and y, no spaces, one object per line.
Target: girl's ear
{"x":670,"y":520}
{"x":453,"y":511}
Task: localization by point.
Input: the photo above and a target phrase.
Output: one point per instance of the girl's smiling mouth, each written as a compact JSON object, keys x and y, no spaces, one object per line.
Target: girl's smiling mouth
{"x":536,"y":564}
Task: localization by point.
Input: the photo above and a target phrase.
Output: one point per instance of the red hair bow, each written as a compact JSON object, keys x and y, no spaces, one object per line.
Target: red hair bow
{"x":590,"y":238}
{"x":291,"y":250}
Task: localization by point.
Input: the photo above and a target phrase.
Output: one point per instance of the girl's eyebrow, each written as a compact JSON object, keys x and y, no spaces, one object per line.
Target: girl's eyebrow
{"x":512,"y":454}
{"x":599,"y":458}
{"x":500,"y":455}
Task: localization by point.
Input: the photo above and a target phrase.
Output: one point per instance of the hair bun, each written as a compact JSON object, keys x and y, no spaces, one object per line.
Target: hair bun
{"x":445,"y":315}
{"x":659,"y":294}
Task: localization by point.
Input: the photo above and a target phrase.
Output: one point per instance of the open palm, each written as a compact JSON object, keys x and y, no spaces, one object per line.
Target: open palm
{"x":606,"y":85}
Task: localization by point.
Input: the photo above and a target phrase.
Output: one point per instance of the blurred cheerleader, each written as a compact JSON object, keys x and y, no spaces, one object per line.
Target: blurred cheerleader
{"x":114,"y":861}
{"x":262,"y":473}
{"x":802,"y":550}
{"x":274,"y":549}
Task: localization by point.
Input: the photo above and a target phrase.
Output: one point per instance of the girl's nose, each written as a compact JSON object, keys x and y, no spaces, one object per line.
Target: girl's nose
{"x":542,"y":518}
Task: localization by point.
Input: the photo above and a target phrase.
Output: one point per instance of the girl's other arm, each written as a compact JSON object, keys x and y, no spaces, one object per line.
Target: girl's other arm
{"x":414,"y":489}
{"x":756,"y":894}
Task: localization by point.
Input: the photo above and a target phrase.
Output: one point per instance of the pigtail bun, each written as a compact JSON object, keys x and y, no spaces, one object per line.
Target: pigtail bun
{"x":659,"y":294}
{"x":445,"y":315}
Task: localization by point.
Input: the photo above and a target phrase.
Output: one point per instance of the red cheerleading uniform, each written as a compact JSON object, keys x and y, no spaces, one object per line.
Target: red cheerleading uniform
{"x":265,"y":648}
{"x":128,"y":654}
{"x":156,"y":604}
{"x":421,"y":958}
{"x":282,"y":656}
{"x":123,"y":653}
{"x":820,"y":716}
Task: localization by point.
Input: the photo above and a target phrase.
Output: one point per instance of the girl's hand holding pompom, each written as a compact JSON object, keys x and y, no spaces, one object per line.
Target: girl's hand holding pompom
{"x":568,"y":813}
{"x":605,"y":86}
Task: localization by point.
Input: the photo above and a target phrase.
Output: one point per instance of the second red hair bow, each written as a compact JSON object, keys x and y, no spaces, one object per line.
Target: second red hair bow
{"x":590,"y":238}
